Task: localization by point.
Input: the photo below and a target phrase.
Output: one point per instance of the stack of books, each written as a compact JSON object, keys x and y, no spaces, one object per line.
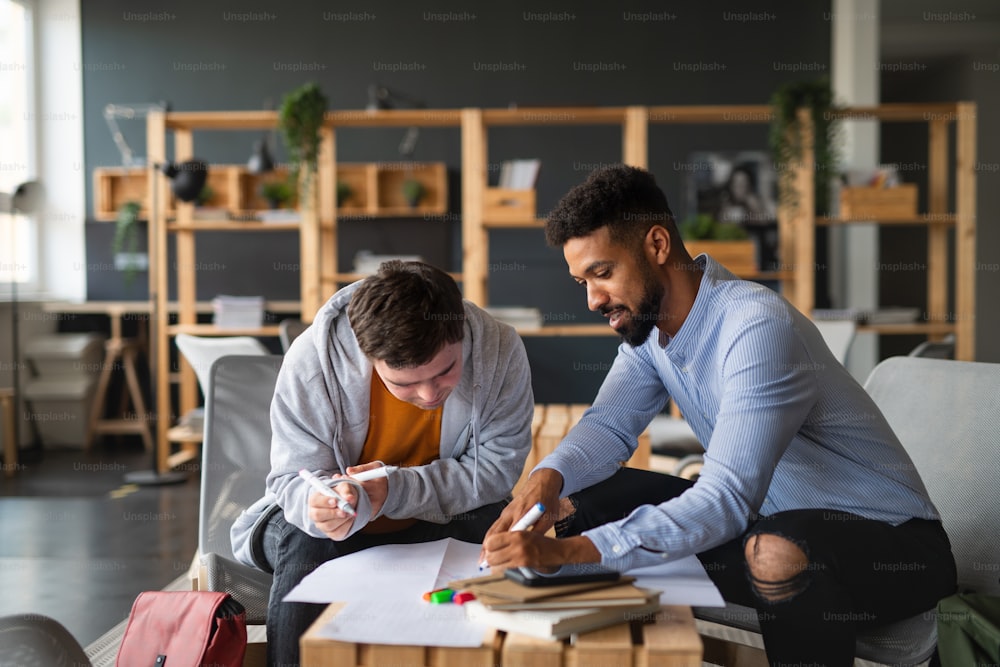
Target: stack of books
{"x":557,"y":612}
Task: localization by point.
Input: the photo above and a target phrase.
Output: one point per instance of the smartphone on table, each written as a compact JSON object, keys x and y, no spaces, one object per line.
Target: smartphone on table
{"x":568,"y":574}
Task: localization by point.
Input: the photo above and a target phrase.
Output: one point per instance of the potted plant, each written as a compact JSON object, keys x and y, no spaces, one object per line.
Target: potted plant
{"x":126,"y":238}
{"x":786,"y":137}
{"x":205,"y":196}
{"x":344,"y":192}
{"x":300,"y":119}
{"x":413,"y":191}
{"x":277,"y":193}
{"x":725,"y":242}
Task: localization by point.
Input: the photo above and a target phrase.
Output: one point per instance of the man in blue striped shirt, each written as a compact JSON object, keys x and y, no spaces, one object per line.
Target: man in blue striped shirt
{"x":807,"y":507}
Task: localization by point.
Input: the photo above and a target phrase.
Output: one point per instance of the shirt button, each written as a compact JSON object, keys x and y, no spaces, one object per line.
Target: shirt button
{"x":616,"y":549}
{"x":664,"y":555}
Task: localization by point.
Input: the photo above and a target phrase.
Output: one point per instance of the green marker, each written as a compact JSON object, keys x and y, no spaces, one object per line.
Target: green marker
{"x":442,"y":596}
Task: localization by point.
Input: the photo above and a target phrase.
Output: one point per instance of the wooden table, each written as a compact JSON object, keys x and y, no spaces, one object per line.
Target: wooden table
{"x":671,"y":641}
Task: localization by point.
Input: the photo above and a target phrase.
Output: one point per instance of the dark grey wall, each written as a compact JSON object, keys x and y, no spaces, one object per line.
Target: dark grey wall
{"x":229,"y":55}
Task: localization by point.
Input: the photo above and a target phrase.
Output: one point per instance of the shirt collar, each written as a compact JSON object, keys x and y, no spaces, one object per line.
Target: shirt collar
{"x":677,"y":346}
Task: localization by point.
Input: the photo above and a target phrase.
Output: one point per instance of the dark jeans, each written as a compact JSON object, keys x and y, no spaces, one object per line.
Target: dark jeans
{"x":859,"y":573}
{"x":293,"y":554}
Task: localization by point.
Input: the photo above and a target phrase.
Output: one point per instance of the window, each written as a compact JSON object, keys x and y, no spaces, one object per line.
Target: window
{"x":18,"y":233}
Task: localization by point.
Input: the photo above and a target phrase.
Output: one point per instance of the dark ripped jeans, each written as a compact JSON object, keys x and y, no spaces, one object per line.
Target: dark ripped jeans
{"x":816,"y":577}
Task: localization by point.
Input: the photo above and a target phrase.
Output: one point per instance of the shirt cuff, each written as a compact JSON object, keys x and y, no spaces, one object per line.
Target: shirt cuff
{"x":621,"y":550}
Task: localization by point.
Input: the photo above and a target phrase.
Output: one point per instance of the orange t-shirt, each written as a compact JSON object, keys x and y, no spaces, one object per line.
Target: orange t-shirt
{"x":399,"y":434}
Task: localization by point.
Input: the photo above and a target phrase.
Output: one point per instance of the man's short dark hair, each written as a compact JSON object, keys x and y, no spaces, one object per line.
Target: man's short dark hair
{"x":406,"y":313}
{"x":625,"y":199}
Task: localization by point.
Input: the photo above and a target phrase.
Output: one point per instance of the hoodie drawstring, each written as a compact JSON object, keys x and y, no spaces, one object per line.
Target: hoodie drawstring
{"x":475,"y":439}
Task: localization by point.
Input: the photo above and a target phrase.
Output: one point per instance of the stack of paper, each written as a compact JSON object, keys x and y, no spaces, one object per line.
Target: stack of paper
{"x":519,"y":174}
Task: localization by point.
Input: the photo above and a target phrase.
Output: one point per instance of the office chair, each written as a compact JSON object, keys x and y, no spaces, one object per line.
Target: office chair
{"x":235,"y":462}
{"x":33,"y":640}
{"x":936,"y":349}
{"x":953,"y":446}
{"x":288,"y":330}
{"x":202,"y":351}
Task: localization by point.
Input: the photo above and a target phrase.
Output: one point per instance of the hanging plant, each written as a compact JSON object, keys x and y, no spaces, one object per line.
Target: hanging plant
{"x":126,"y":238}
{"x":786,"y":137}
{"x":301,"y":118}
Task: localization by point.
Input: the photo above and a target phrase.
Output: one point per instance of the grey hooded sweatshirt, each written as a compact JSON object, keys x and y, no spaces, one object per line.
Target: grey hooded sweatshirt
{"x":319,"y":421}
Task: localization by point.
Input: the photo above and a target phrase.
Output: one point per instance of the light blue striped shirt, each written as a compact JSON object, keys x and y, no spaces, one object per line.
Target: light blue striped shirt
{"x":786,"y":427}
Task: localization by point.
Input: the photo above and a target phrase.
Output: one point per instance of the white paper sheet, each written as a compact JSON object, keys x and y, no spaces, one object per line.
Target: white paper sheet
{"x":384,"y":586}
{"x":405,"y":622}
{"x":391,"y":570}
{"x":682,"y":582}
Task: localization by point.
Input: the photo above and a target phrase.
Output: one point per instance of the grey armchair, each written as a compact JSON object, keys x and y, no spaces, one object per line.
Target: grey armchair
{"x":947,"y":416}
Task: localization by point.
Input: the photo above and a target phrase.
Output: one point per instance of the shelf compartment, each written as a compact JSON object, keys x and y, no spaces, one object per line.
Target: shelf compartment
{"x":250,"y":198}
{"x":390,"y":177}
{"x":113,"y":186}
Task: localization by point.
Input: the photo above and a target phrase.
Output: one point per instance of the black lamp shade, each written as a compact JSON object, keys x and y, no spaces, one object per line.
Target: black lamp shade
{"x":261,"y":160}
{"x":187,"y":178}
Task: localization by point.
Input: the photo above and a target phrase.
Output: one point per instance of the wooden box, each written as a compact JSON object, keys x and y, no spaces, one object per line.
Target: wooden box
{"x":740,"y":257}
{"x":671,"y":640}
{"x":504,"y":205}
{"x":897,"y":203}
{"x":113,"y":186}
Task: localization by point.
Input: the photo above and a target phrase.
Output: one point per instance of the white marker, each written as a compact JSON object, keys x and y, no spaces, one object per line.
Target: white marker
{"x":318,"y":484}
{"x":374,"y":473}
{"x":526,"y":522}
{"x":529,"y":519}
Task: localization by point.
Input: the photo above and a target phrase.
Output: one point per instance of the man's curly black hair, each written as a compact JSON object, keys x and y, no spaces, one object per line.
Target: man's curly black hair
{"x":625,"y":199}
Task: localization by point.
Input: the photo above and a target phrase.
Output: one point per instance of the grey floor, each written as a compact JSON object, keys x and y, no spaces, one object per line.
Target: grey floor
{"x":78,"y":545}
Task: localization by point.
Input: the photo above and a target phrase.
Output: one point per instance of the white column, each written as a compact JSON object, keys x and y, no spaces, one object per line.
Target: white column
{"x":854,"y":251}
{"x":59,"y":86}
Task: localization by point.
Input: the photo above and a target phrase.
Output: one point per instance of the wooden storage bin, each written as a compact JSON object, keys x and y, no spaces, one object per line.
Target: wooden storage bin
{"x":896,"y":203}
{"x":505,"y":205}
{"x":360,"y":178}
{"x":113,"y":186}
{"x":390,"y":179}
{"x":740,"y":257}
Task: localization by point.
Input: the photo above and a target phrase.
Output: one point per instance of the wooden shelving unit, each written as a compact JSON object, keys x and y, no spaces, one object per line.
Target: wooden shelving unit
{"x":944,"y":165}
{"x":376,"y":192}
{"x":797,"y":227}
{"x":235,"y":191}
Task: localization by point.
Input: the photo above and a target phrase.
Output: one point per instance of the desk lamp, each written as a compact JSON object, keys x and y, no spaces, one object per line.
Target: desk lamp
{"x":380,"y":97}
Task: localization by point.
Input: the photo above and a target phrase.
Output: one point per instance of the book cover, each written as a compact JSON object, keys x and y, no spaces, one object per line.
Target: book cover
{"x":615,"y":596}
{"x":559,"y":623}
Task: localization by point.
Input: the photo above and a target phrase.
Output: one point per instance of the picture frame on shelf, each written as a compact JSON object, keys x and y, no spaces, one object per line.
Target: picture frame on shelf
{"x":738,"y":187}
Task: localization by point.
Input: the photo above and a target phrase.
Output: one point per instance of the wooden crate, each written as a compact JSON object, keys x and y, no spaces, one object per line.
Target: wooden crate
{"x":671,"y":640}
{"x":550,"y":425}
{"x":740,"y":257}
{"x":505,"y":205}
{"x":896,"y":203}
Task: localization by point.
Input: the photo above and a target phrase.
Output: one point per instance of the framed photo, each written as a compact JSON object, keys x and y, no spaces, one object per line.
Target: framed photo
{"x":739,"y":187}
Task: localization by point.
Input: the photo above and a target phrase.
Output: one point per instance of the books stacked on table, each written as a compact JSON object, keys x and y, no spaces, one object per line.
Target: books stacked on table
{"x":557,"y":612}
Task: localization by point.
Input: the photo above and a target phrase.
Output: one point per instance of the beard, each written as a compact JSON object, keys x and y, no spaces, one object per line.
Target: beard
{"x":637,"y":324}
